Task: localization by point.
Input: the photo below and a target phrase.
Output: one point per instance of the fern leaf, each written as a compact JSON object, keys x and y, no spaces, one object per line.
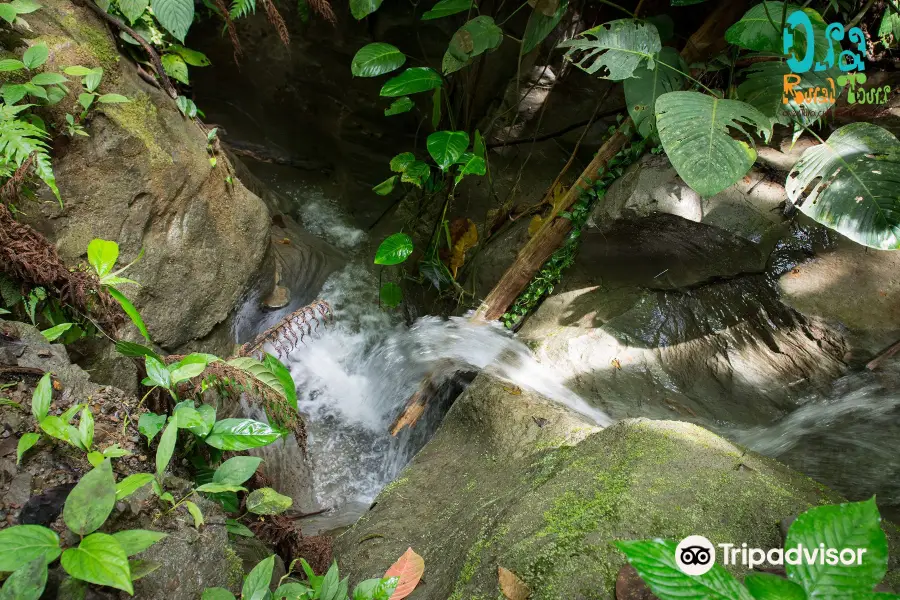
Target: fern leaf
{"x":242,"y":8}
{"x":20,"y":139}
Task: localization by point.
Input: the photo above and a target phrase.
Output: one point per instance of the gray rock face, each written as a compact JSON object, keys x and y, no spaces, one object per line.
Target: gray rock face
{"x":514,"y":481}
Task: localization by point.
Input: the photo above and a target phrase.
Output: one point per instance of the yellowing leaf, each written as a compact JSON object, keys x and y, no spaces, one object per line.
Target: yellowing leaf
{"x":535,"y":225}
{"x":511,"y":586}
{"x":409,"y":568}
{"x":465,"y":241}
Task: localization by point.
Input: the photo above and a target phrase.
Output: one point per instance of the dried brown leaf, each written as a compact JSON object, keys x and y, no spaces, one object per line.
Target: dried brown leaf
{"x":511,"y":586}
{"x":409,"y":568}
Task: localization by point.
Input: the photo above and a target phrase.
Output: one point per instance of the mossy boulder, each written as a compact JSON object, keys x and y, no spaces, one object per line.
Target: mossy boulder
{"x":512,"y":480}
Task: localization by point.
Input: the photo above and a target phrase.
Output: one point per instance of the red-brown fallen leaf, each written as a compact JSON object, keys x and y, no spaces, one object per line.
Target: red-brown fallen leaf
{"x":409,"y":568}
{"x":511,"y":586}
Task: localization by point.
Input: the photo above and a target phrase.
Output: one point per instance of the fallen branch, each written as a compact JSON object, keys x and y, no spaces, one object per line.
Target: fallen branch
{"x":876,"y":362}
{"x":275,"y":157}
{"x":706,"y":41}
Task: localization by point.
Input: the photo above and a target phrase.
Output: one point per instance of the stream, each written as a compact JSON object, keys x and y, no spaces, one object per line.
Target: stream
{"x":355,"y":376}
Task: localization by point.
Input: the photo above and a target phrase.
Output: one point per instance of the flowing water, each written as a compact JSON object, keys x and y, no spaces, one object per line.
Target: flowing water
{"x":355,"y":377}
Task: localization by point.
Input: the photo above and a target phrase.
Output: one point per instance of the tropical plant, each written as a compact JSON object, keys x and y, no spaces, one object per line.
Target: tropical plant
{"x":99,"y":558}
{"x":398,"y":582}
{"x":854,"y":526}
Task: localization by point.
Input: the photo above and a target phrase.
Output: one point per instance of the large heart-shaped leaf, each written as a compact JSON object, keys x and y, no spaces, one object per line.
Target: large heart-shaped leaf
{"x":241,"y":434}
{"x":655,"y":562}
{"x":620,"y":46}
{"x":175,"y":16}
{"x":27,"y":582}
{"x":760,"y":29}
{"x":360,"y":9}
{"x":237,"y":469}
{"x":695,"y":132}
{"x":133,"y":9}
{"x":475,"y":37}
{"x":445,"y":147}
{"x":412,"y":81}
{"x":23,"y":543}
{"x":266,"y":501}
{"x":540,"y":24}
{"x":99,"y":559}
{"x":91,"y":500}
{"x":376,"y":59}
{"x":394,"y":250}
{"x":764,"y":84}
{"x":851,"y":183}
{"x":642,"y":90}
{"x":855,"y":525}
{"x":258,"y":579}
{"x":445,"y":8}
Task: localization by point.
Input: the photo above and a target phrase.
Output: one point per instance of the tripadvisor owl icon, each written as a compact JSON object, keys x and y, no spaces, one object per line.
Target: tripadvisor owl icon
{"x":695,"y":555}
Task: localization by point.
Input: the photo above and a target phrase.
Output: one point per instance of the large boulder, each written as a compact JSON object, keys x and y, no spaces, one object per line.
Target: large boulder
{"x":144,"y":179}
{"x":511,"y":480}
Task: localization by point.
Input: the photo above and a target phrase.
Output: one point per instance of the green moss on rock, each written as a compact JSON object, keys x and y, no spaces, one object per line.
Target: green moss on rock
{"x":139,"y":118}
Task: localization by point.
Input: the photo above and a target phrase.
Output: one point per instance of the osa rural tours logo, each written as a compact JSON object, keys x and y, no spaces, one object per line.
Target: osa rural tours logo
{"x":813,"y":85}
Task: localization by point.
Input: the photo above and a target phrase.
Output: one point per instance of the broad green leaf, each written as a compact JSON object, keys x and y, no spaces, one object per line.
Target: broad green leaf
{"x":764,"y":84}
{"x":71,"y":412}
{"x":655,"y":562}
{"x":53,"y":333}
{"x":394,"y":250}
{"x":95,"y":458}
{"x":217,"y":593}
{"x":196,"y":513}
{"x":445,"y":8}
{"x":12,"y":93}
{"x":618,"y":46}
{"x":376,"y":59}
{"x":190,"y":418}
{"x":541,"y":24}
{"x":7,"y":13}
{"x":115,"y":452}
{"x":266,"y":501}
{"x":478,"y":147}
{"x":101,"y":560}
{"x":57,"y":428}
{"x":191,"y":57}
{"x":385,"y":187}
{"x":25,"y":443}
{"x":77,"y":71}
{"x":35,"y":90}
{"x":284,"y":377}
{"x":175,"y":67}
{"x":764,"y":586}
{"x":695,"y":130}
{"x":130,"y":310}
{"x":642,"y":90}
{"x":855,"y":525}
{"x":86,"y":427}
{"x":131,"y":484}
{"x":92,"y":79}
{"x":175,"y":16}
{"x":216,"y":488}
{"x":402,"y":161}
{"x":21,"y":544}
{"x":360,"y":9}
{"x":136,"y":350}
{"x":399,"y":106}
{"x":471,"y":165}
{"x":41,"y":398}
{"x":24,"y":7}
{"x":91,"y":500}
{"x":237,"y":528}
{"x":760,"y":29}
{"x":850,"y":184}
{"x":166,"y":447}
{"x":188,"y":371}
{"x":391,"y":295}
{"x":237,"y":469}
{"x":142,"y":568}
{"x":48,"y":79}
{"x":157,"y":372}
{"x":27,"y":582}
{"x":209,"y":417}
{"x":35,"y":56}
{"x":889,"y":29}
{"x":412,"y":81}
{"x":375,"y":588}
{"x":292,"y":590}
{"x":86,"y":100}
{"x":11,"y":64}
{"x":135,"y":541}
{"x":261,"y":373}
{"x":149,"y":424}
{"x":114,"y":99}
{"x":241,"y":434}
{"x":477,"y":36}
{"x":133,"y":9}
{"x":259,"y":578}
{"x":445,"y":147}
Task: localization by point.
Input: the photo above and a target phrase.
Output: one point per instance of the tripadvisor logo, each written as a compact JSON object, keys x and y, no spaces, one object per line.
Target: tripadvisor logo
{"x":812,"y":83}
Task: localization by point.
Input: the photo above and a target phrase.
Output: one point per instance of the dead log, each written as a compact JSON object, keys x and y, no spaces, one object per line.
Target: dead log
{"x":706,"y":42}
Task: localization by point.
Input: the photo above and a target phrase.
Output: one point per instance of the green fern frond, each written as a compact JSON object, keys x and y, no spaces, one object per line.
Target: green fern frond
{"x":20,"y":139}
{"x":242,"y":8}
